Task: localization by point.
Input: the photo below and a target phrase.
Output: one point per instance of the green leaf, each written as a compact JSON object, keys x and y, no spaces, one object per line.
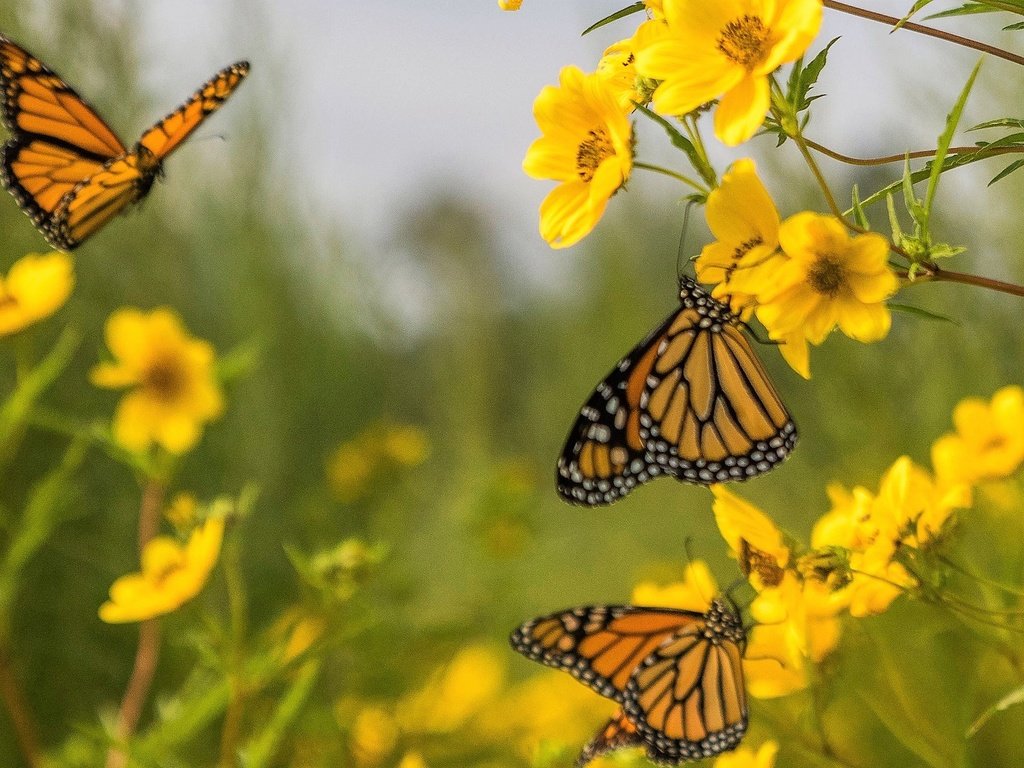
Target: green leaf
{"x":943,"y":146}
{"x":1002,"y":122}
{"x":922,"y":313}
{"x":681,"y":142}
{"x":859,"y":216}
{"x":263,"y":750}
{"x":15,"y":410}
{"x":803,"y":77}
{"x":627,"y":11}
{"x":1006,"y":171}
{"x":1016,"y":696}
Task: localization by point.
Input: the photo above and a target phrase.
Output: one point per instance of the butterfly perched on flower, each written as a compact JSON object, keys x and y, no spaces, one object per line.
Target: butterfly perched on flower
{"x":64,"y":165}
{"x":691,"y":401}
{"x":677,"y":675}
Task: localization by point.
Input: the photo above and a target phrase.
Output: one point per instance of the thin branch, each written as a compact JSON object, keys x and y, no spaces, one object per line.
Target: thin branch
{"x":18,"y":711}
{"x":148,"y":652}
{"x":910,"y":26}
{"x":915,"y":155}
{"x":937,"y":274}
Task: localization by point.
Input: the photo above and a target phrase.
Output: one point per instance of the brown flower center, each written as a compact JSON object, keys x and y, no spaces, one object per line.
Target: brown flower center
{"x":744,"y":41}
{"x":166,"y":379}
{"x":827,"y":275}
{"x":754,"y":560}
{"x":592,"y":152}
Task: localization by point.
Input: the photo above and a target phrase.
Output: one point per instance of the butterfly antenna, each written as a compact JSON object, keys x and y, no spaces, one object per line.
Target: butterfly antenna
{"x":680,"y":258}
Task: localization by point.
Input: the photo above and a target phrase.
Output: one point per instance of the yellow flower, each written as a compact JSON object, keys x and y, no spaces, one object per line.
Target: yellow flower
{"x":741,"y":214}
{"x":753,"y":538}
{"x":618,"y":67}
{"x":181,"y":512}
{"x":453,"y":693}
{"x":726,"y":49}
{"x":509,"y":5}
{"x":829,"y":279}
{"x":171,"y":575}
{"x":745,"y":757}
{"x":587,"y":147}
{"x":655,"y":8}
{"x":918,"y":507}
{"x":989,"y":440}
{"x":374,"y":735}
{"x":693,"y":593}
{"x":36,"y":286}
{"x":414,"y":759}
{"x":406,"y":445}
{"x":174,"y":387}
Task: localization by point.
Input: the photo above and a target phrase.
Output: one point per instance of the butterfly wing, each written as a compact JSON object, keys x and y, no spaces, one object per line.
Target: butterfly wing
{"x":709,"y":412}
{"x":57,"y":140}
{"x":173,"y":129}
{"x":618,"y":733}
{"x":687,"y":699}
{"x":604,"y":457}
{"x":600,"y":645}
{"x":126,"y":179}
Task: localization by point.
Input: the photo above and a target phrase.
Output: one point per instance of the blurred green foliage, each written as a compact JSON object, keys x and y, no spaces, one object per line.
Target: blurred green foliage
{"x":475,"y":538}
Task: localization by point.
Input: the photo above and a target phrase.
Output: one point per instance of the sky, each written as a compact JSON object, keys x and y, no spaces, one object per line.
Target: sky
{"x":385,"y":101}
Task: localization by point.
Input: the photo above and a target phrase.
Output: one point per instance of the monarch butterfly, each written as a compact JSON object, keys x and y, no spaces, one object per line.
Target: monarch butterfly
{"x":66,"y":168}
{"x":691,"y":401}
{"x":677,"y":675}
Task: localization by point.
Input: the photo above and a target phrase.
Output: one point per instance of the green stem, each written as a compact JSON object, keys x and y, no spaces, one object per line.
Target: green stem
{"x":25,"y":734}
{"x":910,"y":26}
{"x":262,"y":751}
{"x":236,"y":677}
{"x":935,"y":273}
{"x":672,"y":174}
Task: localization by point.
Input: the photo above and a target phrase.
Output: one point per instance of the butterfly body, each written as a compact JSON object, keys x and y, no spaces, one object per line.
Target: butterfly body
{"x":677,"y":675}
{"x":691,"y":401}
{"x":64,"y":165}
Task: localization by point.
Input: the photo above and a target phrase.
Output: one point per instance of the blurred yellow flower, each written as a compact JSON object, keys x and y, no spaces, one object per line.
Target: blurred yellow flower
{"x":918,"y":507}
{"x":828,"y":279}
{"x":406,"y":445}
{"x":586,"y":146}
{"x":745,"y":757}
{"x":355,"y":463}
{"x":171,"y":575}
{"x":174,"y":386}
{"x":509,"y":5}
{"x":989,"y":440}
{"x":693,"y":593}
{"x":725,"y":49}
{"x":36,"y":286}
{"x":415,"y":759}
{"x":453,"y":693}
{"x":741,"y":214}
{"x":181,"y":512}
{"x":754,"y":539}
{"x":374,"y":735}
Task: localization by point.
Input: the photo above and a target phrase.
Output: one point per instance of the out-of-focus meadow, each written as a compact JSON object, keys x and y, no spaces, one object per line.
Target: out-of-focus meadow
{"x":401,"y":516}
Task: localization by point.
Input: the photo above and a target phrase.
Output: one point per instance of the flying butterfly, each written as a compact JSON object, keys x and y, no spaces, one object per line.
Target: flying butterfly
{"x":692,"y":401}
{"x":64,"y":165}
{"x":677,"y":675}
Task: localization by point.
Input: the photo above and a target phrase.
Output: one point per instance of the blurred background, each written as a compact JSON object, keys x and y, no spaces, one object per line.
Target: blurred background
{"x":358,"y":211}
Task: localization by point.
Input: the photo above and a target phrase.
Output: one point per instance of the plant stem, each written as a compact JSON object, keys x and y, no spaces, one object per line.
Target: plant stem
{"x":236,"y":673}
{"x":672,"y":174}
{"x":916,"y":154}
{"x":935,"y":273}
{"x":17,"y":710}
{"x":892,"y":21}
{"x":148,"y":651}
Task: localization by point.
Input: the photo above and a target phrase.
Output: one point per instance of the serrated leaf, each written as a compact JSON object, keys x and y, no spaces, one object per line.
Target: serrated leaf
{"x":803,"y":77}
{"x":922,"y":313}
{"x":627,"y":11}
{"x":1006,"y":171}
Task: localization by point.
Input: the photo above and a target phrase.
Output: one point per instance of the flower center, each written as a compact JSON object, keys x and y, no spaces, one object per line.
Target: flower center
{"x":592,"y":151}
{"x":166,"y":379}
{"x":754,"y":560}
{"x":827,"y":275}
{"x":7,"y":301}
{"x":743,"y":41}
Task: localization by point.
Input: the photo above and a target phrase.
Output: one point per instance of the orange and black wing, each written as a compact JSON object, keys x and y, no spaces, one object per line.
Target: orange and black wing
{"x":164,"y":137}
{"x":708,"y":411}
{"x":600,"y":645}
{"x":687,"y":698}
{"x":620,"y":733}
{"x":57,"y":140}
{"x":692,"y":401}
{"x":604,"y":457}
{"x":126,"y":179}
